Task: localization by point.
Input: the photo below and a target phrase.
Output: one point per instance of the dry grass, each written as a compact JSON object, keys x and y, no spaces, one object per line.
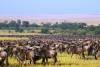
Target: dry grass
{"x":64,"y":60}
{"x":12,"y":38}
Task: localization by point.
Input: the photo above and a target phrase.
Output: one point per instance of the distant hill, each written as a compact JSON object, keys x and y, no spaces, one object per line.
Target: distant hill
{"x":90,"y":19}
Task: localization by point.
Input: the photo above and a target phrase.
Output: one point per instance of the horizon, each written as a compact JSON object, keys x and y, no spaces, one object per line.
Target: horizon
{"x":90,"y":19}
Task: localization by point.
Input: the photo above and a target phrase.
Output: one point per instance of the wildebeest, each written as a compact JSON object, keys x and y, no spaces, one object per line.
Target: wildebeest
{"x":3,"y":57}
{"x":46,"y":46}
{"x":44,"y":54}
{"x":73,"y":49}
{"x":23,"y":54}
{"x":97,"y":51}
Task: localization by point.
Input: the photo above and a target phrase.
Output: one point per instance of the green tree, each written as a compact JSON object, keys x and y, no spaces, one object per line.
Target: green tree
{"x":97,"y":30}
{"x":45,"y":30}
{"x":25,"y":24}
{"x":12,"y":24}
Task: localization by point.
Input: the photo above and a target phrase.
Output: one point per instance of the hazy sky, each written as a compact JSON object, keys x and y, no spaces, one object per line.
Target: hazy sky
{"x":51,"y":10}
{"x":48,"y":7}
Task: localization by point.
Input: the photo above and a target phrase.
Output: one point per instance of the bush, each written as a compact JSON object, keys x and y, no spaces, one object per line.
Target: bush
{"x":19,"y":30}
{"x":45,"y":30}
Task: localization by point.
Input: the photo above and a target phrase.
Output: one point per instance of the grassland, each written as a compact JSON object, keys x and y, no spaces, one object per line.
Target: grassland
{"x":12,"y":38}
{"x":64,"y":60}
{"x":28,"y":31}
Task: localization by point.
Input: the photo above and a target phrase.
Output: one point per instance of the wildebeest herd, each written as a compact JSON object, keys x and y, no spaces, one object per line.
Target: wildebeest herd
{"x":43,"y":47}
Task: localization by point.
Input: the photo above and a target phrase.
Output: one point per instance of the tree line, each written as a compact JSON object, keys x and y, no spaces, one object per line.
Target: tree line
{"x":72,"y":28}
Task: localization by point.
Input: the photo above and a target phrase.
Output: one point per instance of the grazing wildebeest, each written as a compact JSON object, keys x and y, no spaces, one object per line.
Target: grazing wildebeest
{"x":97,"y":51}
{"x":23,"y":54}
{"x":74,"y":49}
{"x":61,"y":48}
{"x":44,"y":53}
{"x":91,"y":49}
{"x":3,"y":57}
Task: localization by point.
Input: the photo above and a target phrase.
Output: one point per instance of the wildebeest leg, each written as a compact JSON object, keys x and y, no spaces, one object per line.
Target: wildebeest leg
{"x":55,"y":60}
{"x":43,"y":60}
{"x":46,"y":59}
{"x":11,"y":55}
{"x":83,"y":55}
{"x":7,"y":63}
{"x":71,"y":55}
{"x":30,"y":61}
{"x":2,"y":63}
{"x":34,"y":60}
{"x":95,"y":55}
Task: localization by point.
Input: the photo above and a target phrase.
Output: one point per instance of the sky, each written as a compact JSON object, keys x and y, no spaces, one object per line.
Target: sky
{"x":77,"y":10}
{"x":38,"y":7}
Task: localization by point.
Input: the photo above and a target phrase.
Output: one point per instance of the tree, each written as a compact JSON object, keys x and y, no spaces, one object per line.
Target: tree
{"x":91,"y":28}
{"x":25,"y":24}
{"x":82,"y":25}
{"x":47,"y":25}
{"x":4,"y":25}
{"x":97,"y":30}
{"x":12,"y":24}
{"x":18,"y":23}
{"x":45,"y":30}
{"x":55,"y":25}
{"x":34,"y":25}
{"x":19,"y":30}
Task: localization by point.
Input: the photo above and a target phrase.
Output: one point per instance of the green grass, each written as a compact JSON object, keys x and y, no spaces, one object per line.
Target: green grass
{"x":12,"y":38}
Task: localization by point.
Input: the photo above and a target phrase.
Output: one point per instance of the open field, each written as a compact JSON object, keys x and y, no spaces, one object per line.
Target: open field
{"x":28,"y":31}
{"x":64,"y":60}
{"x":12,"y":38}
